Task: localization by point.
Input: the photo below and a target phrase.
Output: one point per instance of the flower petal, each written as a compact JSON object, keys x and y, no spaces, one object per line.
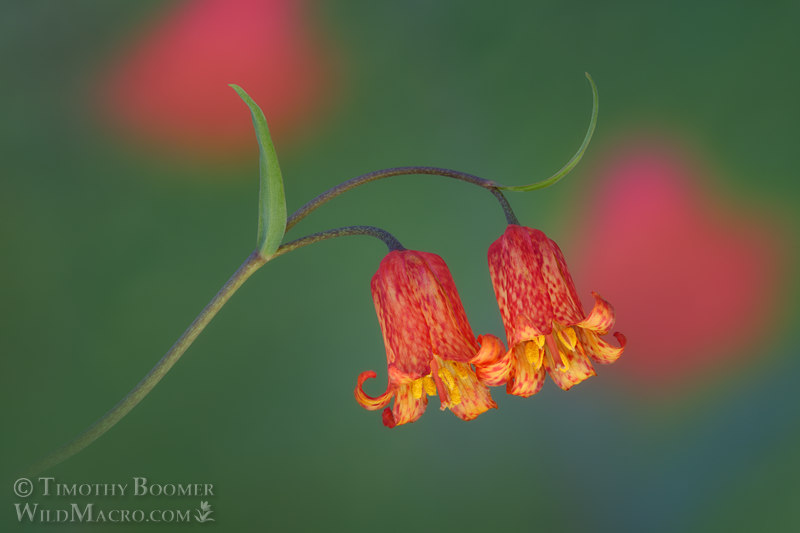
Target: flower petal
{"x":492,"y":362}
{"x":366,"y":401}
{"x":450,"y":334}
{"x":406,"y":407}
{"x":579,"y":368}
{"x":475,"y":397}
{"x":525,"y":379}
{"x":491,"y":351}
{"x":601,"y":351}
{"x":601,"y":319}
{"x":564,"y":302}
{"x":515,"y":266}
{"x":495,"y":374}
{"x":455,"y":341}
{"x":460,"y":390}
{"x":407,"y":341}
{"x":475,"y":400}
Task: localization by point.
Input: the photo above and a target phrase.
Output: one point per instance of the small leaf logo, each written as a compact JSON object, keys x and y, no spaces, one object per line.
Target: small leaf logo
{"x":202,"y":514}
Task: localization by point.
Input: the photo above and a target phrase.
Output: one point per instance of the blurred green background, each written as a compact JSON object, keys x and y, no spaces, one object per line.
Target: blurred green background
{"x":109,"y":249}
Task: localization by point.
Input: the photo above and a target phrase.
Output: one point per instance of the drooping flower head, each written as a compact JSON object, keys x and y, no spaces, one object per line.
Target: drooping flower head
{"x":429,"y":342}
{"x":546,"y":327}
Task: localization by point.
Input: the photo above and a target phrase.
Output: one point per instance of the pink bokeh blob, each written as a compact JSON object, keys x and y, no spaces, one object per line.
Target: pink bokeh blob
{"x":169,"y":87}
{"x":693,"y":275}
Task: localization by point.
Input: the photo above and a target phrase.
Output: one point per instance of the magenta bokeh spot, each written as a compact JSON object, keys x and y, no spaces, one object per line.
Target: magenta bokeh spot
{"x":169,"y":87}
{"x":692,"y":272}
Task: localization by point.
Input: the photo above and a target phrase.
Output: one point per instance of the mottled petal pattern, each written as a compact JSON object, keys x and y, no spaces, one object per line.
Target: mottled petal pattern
{"x":565,"y":376}
{"x":462,"y":392}
{"x":599,"y":350}
{"x":601,"y":318}
{"x":406,"y":409}
{"x":527,"y":374}
{"x":429,"y":342}
{"x":564,"y":304}
{"x":515,"y":262}
{"x":407,"y":339}
{"x":546,"y":327}
{"x":570,"y":308}
{"x":492,"y":362}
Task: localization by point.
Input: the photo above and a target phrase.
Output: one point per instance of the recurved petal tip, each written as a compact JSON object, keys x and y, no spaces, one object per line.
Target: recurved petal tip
{"x":601,"y":319}
{"x":602,"y":352}
{"x":388,"y":418}
{"x":491,"y":351}
{"x":366,"y":401}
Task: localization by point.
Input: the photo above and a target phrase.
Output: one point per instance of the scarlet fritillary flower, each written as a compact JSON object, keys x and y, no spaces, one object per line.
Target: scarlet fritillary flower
{"x":546,"y":327}
{"x":429,"y":342}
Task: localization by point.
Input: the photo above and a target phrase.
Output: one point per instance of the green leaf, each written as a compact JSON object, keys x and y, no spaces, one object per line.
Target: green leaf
{"x":572,"y":163}
{"x":271,"y":198}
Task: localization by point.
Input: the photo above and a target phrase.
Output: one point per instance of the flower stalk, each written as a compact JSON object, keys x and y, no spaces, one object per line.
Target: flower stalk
{"x":493,"y":187}
{"x":253,"y":262}
{"x":388,"y":239}
{"x":352,"y":183}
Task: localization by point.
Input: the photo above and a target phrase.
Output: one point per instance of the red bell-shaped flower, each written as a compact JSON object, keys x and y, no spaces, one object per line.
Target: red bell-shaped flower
{"x":546,"y":327}
{"x":429,"y":342}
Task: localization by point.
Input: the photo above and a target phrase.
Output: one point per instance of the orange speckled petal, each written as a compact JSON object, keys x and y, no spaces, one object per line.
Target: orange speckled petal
{"x":492,"y":362}
{"x":515,"y":267}
{"x":579,"y":369}
{"x":491,"y":351}
{"x":601,"y":351}
{"x":564,"y":302}
{"x":496,"y":374}
{"x":366,"y":401}
{"x":524,"y":379}
{"x":601,"y":319}
{"x":475,"y":397}
{"x":406,"y":408}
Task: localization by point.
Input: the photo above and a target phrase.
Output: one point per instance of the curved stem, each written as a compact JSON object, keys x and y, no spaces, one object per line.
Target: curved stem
{"x":511,"y":217}
{"x":343,"y":187}
{"x":391,"y":242}
{"x":492,"y":186}
{"x":116,"y":413}
{"x":143,"y":388}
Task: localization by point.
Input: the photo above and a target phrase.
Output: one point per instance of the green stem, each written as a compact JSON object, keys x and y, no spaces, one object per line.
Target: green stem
{"x":143,"y":388}
{"x":511,"y":217}
{"x":352,"y":183}
{"x":116,"y":413}
{"x":493,"y":187}
{"x":391,"y":242}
